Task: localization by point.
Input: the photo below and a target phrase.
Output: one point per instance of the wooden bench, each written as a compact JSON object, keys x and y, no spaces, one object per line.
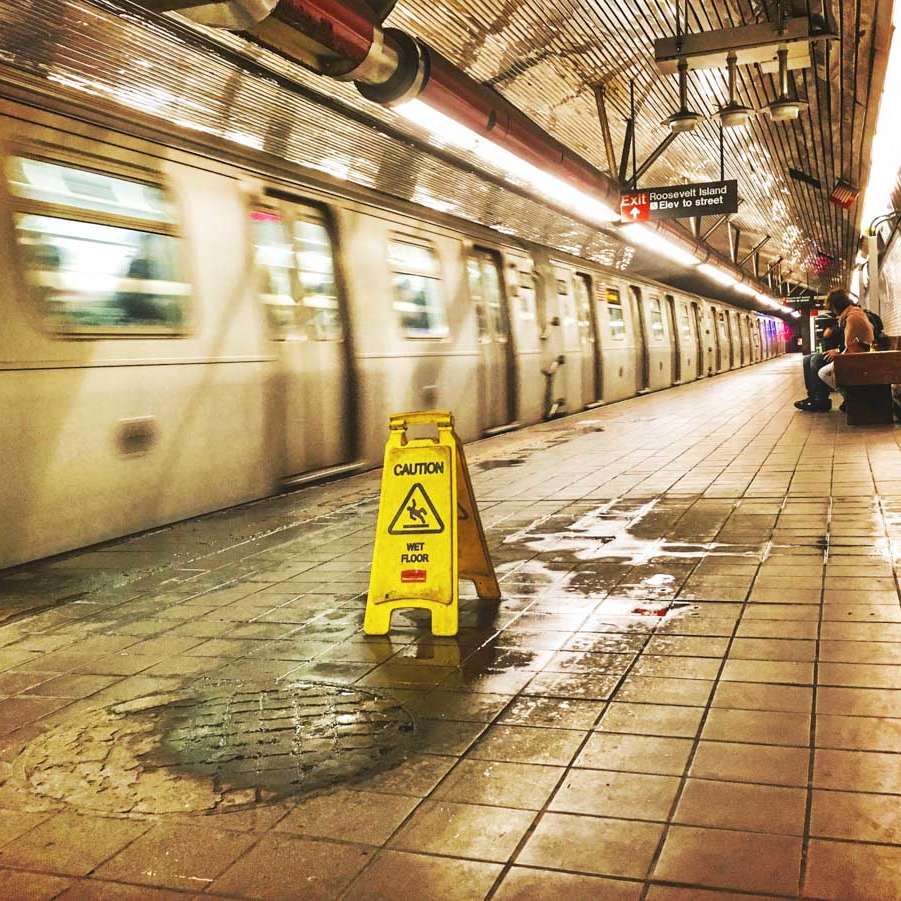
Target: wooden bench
{"x":867,"y":381}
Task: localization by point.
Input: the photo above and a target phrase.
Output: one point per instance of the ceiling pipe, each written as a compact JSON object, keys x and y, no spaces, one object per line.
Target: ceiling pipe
{"x":344,"y":39}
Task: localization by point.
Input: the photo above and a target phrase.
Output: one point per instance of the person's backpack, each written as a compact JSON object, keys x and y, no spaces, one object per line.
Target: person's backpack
{"x":881,"y":340}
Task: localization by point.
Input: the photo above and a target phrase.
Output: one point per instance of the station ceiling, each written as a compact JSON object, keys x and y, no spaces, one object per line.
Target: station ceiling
{"x":546,"y":56}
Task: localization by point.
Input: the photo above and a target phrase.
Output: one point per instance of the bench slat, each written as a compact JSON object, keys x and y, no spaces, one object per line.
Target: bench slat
{"x":880,"y":368}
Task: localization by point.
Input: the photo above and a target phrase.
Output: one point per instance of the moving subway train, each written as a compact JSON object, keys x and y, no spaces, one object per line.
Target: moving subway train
{"x":181,"y":334}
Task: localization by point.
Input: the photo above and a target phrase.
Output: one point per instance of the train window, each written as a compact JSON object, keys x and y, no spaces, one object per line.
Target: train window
{"x":723,"y":326}
{"x":416,"y":283}
{"x":685,"y":320}
{"x":101,"y":254}
{"x":657,"y":329}
{"x":582,"y":288}
{"x":526,"y":292}
{"x":294,"y":254}
{"x":615,"y":320}
{"x":485,"y":289}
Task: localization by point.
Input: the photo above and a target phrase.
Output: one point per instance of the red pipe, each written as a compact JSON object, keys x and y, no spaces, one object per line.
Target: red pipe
{"x":347,"y":27}
{"x":400,"y":68}
{"x":484,"y":111}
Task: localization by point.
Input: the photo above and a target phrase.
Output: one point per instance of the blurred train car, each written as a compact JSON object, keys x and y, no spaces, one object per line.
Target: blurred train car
{"x":182,"y":334}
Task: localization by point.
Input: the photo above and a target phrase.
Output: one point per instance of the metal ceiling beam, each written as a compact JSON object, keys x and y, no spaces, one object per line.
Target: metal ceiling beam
{"x":757,"y":43}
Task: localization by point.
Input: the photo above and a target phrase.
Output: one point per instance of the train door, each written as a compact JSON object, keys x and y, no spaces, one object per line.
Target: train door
{"x":640,"y":339}
{"x":675,"y":339}
{"x":723,"y":341}
{"x":700,"y":338}
{"x":734,"y":320}
{"x":492,"y":315}
{"x":300,"y":293}
{"x":569,"y":331}
{"x":589,"y":342}
{"x":746,"y":353}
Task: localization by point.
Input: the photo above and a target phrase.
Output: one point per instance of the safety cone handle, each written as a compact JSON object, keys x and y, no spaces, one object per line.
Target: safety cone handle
{"x":443,"y":419}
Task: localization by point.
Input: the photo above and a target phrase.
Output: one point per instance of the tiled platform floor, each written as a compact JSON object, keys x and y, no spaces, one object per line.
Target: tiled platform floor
{"x":690,"y":689}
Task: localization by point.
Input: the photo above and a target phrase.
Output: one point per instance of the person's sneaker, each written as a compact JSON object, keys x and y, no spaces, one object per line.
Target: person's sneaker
{"x":815,"y":406}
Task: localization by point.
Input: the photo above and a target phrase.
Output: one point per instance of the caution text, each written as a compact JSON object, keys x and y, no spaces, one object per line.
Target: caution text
{"x":429,"y":468}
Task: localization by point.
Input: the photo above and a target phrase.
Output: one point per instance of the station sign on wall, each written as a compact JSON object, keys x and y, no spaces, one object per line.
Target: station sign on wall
{"x":714,"y":198}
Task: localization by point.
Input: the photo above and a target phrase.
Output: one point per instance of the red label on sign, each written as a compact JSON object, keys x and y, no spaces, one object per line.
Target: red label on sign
{"x":635,"y":207}
{"x":413,"y":575}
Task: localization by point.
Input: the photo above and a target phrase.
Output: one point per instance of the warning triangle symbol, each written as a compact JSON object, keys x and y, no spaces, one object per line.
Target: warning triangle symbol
{"x":417,"y":515}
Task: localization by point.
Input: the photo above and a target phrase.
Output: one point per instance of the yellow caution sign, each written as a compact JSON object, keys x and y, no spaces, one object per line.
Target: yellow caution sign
{"x":429,"y":533}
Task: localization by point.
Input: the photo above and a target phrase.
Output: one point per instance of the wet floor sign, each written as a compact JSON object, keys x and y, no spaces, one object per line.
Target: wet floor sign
{"x":429,"y":534}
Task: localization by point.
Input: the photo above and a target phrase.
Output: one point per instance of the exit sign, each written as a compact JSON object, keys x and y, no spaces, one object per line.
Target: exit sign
{"x":715,"y":198}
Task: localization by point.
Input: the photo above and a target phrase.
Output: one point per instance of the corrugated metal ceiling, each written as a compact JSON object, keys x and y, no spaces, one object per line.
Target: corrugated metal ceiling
{"x":545,"y":56}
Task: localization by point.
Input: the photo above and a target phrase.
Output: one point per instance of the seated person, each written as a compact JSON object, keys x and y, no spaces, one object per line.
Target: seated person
{"x":817,"y":392}
{"x":859,"y":337}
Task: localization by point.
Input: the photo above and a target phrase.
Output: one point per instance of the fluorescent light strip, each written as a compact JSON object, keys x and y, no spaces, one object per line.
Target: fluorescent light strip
{"x":717,"y":275}
{"x":445,"y":130}
{"x":656,"y":243}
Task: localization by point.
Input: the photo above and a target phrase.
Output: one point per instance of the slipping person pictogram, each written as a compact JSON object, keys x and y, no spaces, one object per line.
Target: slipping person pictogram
{"x":416,"y":515}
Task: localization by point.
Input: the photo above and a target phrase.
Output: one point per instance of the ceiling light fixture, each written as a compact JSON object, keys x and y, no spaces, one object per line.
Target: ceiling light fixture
{"x":784,"y":108}
{"x":733,"y":114}
{"x":683,"y":120}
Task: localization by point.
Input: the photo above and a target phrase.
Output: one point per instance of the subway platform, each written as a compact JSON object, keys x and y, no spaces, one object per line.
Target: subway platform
{"x":690,"y":688}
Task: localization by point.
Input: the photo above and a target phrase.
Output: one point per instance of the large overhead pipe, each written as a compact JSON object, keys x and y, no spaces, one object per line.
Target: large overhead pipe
{"x":345,"y":39}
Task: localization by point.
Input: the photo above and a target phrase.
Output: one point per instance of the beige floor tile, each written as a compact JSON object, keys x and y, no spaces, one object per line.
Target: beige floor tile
{"x":860,"y":675}
{"x":518,"y":785}
{"x":777,"y":672}
{"x":687,"y":646}
{"x":610,"y":794}
{"x":176,"y":856}
{"x":852,"y":872}
{"x":741,"y":806}
{"x":750,"y":763}
{"x":524,"y":744}
{"x":32,"y":886}
{"x":674,"y":893}
{"x":70,"y":844}
{"x":865,"y":771}
{"x":765,"y":628}
{"x":635,"y":753}
{"x":785,"y":649}
{"x":731,"y":860}
{"x":677,"y":667}
{"x":275,"y":867}
{"x":763,"y":696}
{"x":416,"y":776}
{"x":757,"y":727}
{"x":652,"y":690}
{"x":859,"y":701}
{"x":463,"y":830}
{"x":526,"y":884}
{"x":560,"y":713}
{"x":592,"y":845}
{"x":402,"y":876}
{"x":652,"y":719}
{"x":858,"y":733}
{"x":353,"y":816}
{"x":870,"y":652}
{"x":856,"y":817}
{"x":100,"y":890}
